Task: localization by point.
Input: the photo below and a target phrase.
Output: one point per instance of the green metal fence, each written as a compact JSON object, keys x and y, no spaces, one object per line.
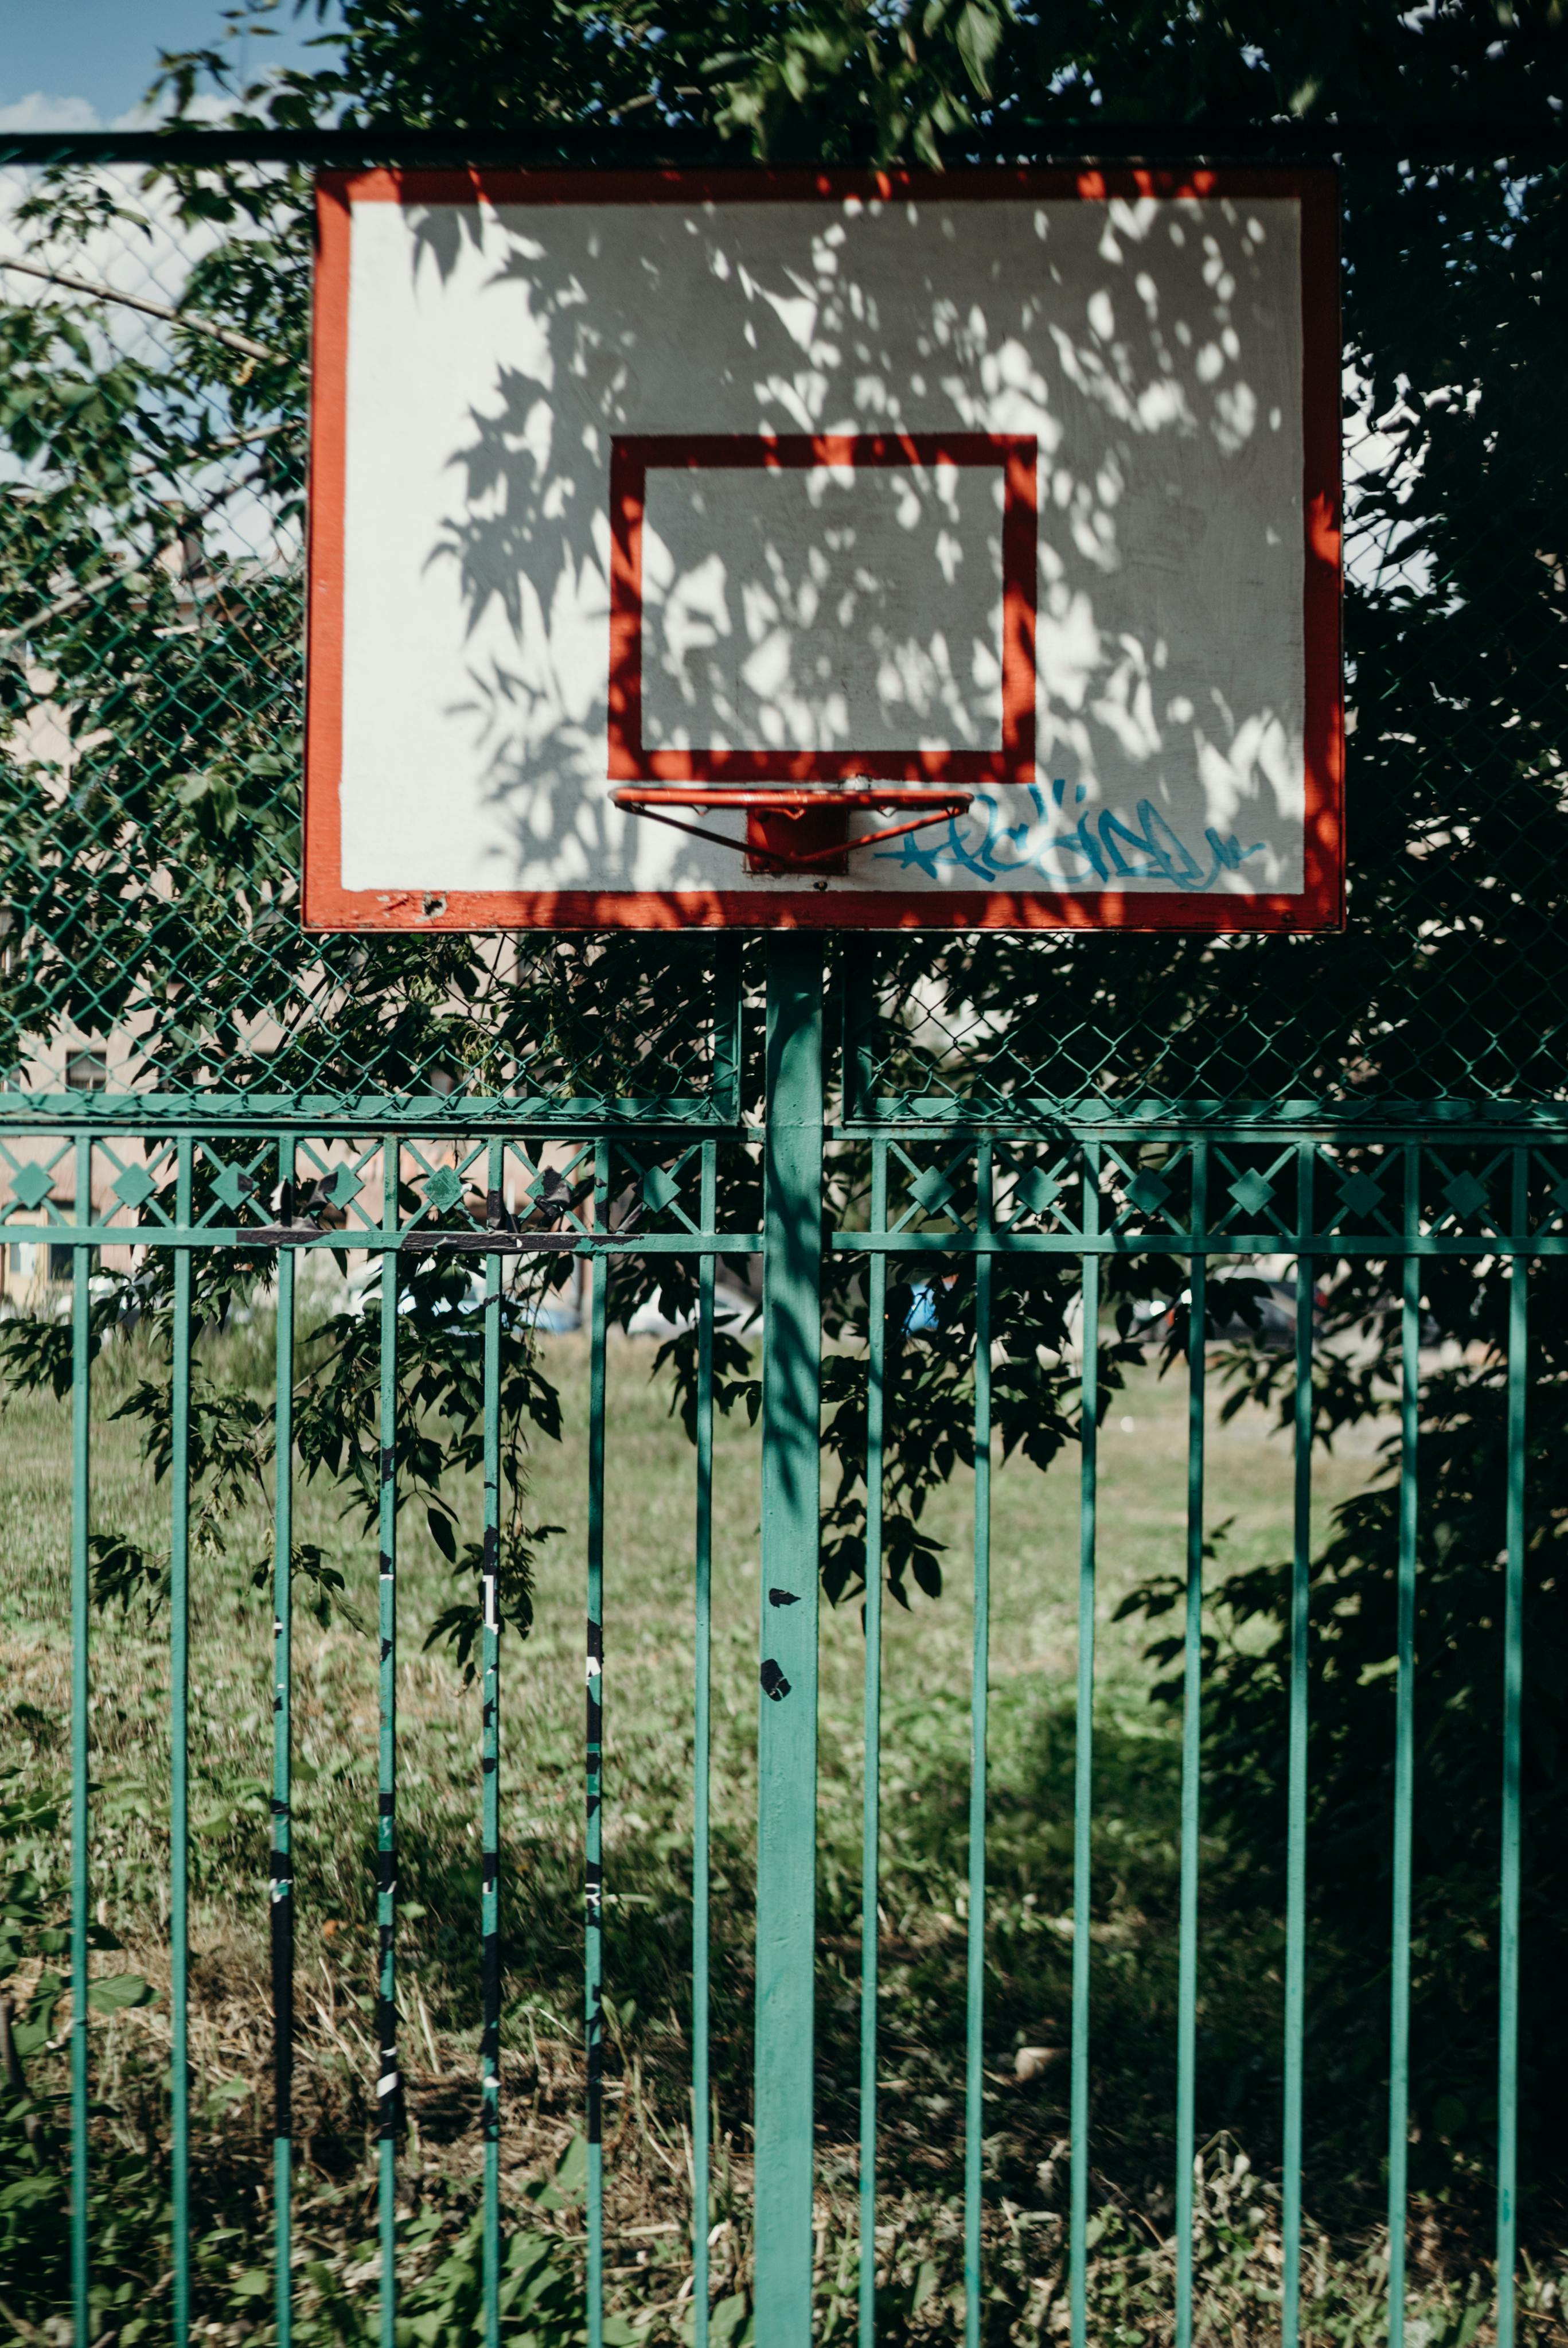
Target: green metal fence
{"x":981,"y":1198}
{"x":1381,"y":1109}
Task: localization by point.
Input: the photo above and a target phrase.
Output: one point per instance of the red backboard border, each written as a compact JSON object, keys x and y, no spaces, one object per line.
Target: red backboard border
{"x":329,"y":906}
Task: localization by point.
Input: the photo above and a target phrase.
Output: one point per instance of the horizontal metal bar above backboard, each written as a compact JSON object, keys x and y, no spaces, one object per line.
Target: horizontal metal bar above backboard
{"x":1057,"y":139}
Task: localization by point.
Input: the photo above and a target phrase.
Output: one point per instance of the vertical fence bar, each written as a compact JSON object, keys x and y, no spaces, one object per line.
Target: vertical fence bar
{"x":280,"y":1912}
{"x":81,"y":1527}
{"x":593,"y":1846}
{"x":786,"y":1733}
{"x":725,"y":1080}
{"x":1404,"y":1757}
{"x":1295,"y":1779}
{"x":1083,"y":1756}
{"x":979,"y":1675}
{"x":179,"y":1761}
{"x":388,"y":2084}
{"x":871,"y":1797}
{"x":1513,"y":1720}
{"x":701,"y":1758}
{"x":490,"y":1771}
{"x":857,"y":966}
{"x":1192,"y":1750}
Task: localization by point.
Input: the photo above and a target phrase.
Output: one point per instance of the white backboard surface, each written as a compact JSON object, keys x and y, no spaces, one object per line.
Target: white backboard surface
{"x":1026,"y":482}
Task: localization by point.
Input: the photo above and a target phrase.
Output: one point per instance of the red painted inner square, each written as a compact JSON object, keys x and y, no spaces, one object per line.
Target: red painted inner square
{"x":633,"y":456}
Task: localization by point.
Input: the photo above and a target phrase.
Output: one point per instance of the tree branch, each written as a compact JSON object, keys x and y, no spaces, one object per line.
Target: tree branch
{"x":224,"y":335}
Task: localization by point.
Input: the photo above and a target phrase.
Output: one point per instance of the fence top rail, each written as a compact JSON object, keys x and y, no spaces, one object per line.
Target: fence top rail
{"x":911,"y":1116}
{"x":1541,"y":137}
{"x":431,"y":1113}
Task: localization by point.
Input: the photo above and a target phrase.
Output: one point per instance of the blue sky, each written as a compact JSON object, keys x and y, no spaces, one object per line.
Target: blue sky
{"x":76,"y":64}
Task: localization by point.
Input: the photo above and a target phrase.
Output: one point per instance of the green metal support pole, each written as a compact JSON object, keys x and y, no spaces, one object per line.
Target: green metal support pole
{"x":871,"y":1799}
{"x":1191,"y":1755}
{"x":593,"y":1758}
{"x":1083,"y":1767}
{"x":979,"y":1687}
{"x":1512,"y":1761}
{"x":179,"y":1769}
{"x":389,"y":2084}
{"x":701,"y":1744}
{"x":786,"y":1746}
{"x":490,"y":1775}
{"x":1404,"y":1760}
{"x":1295,"y":1779}
{"x":281,"y":1904}
{"x":81,"y":1889}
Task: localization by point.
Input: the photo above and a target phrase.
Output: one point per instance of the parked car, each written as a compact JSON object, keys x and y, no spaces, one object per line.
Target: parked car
{"x":554,"y":1312}
{"x":1268,"y":1318}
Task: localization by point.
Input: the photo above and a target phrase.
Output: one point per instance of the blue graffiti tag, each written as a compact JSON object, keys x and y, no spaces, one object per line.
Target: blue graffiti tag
{"x":1072,"y":855}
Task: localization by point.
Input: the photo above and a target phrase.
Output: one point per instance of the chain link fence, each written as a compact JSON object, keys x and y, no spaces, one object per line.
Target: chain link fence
{"x":154,"y":350}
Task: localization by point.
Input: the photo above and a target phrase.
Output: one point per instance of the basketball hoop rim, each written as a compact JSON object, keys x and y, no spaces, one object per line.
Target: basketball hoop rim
{"x":916,"y":805}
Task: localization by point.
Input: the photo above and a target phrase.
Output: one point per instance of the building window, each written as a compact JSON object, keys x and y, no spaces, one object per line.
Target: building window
{"x":60,"y":1264}
{"x":88,"y":1070}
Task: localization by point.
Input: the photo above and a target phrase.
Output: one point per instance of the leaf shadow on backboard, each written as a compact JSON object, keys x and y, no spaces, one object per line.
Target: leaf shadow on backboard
{"x":1144,"y":348}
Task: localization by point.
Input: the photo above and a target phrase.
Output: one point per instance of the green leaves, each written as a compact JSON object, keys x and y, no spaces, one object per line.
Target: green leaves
{"x":163,"y":649}
{"x":35,"y":1353}
{"x":729,"y":2324}
{"x":460,"y":1625}
{"x":118,"y":1992}
{"x":125,"y":1574}
{"x":978,"y":33}
{"x":928,"y":1405}
{"x":230,"y":1443}
{"x":540,"y":2295}
{"x":318,"y":1585}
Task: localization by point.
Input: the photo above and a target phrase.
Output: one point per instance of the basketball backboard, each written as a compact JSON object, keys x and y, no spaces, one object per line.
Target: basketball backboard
{"x":987,"y":520}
